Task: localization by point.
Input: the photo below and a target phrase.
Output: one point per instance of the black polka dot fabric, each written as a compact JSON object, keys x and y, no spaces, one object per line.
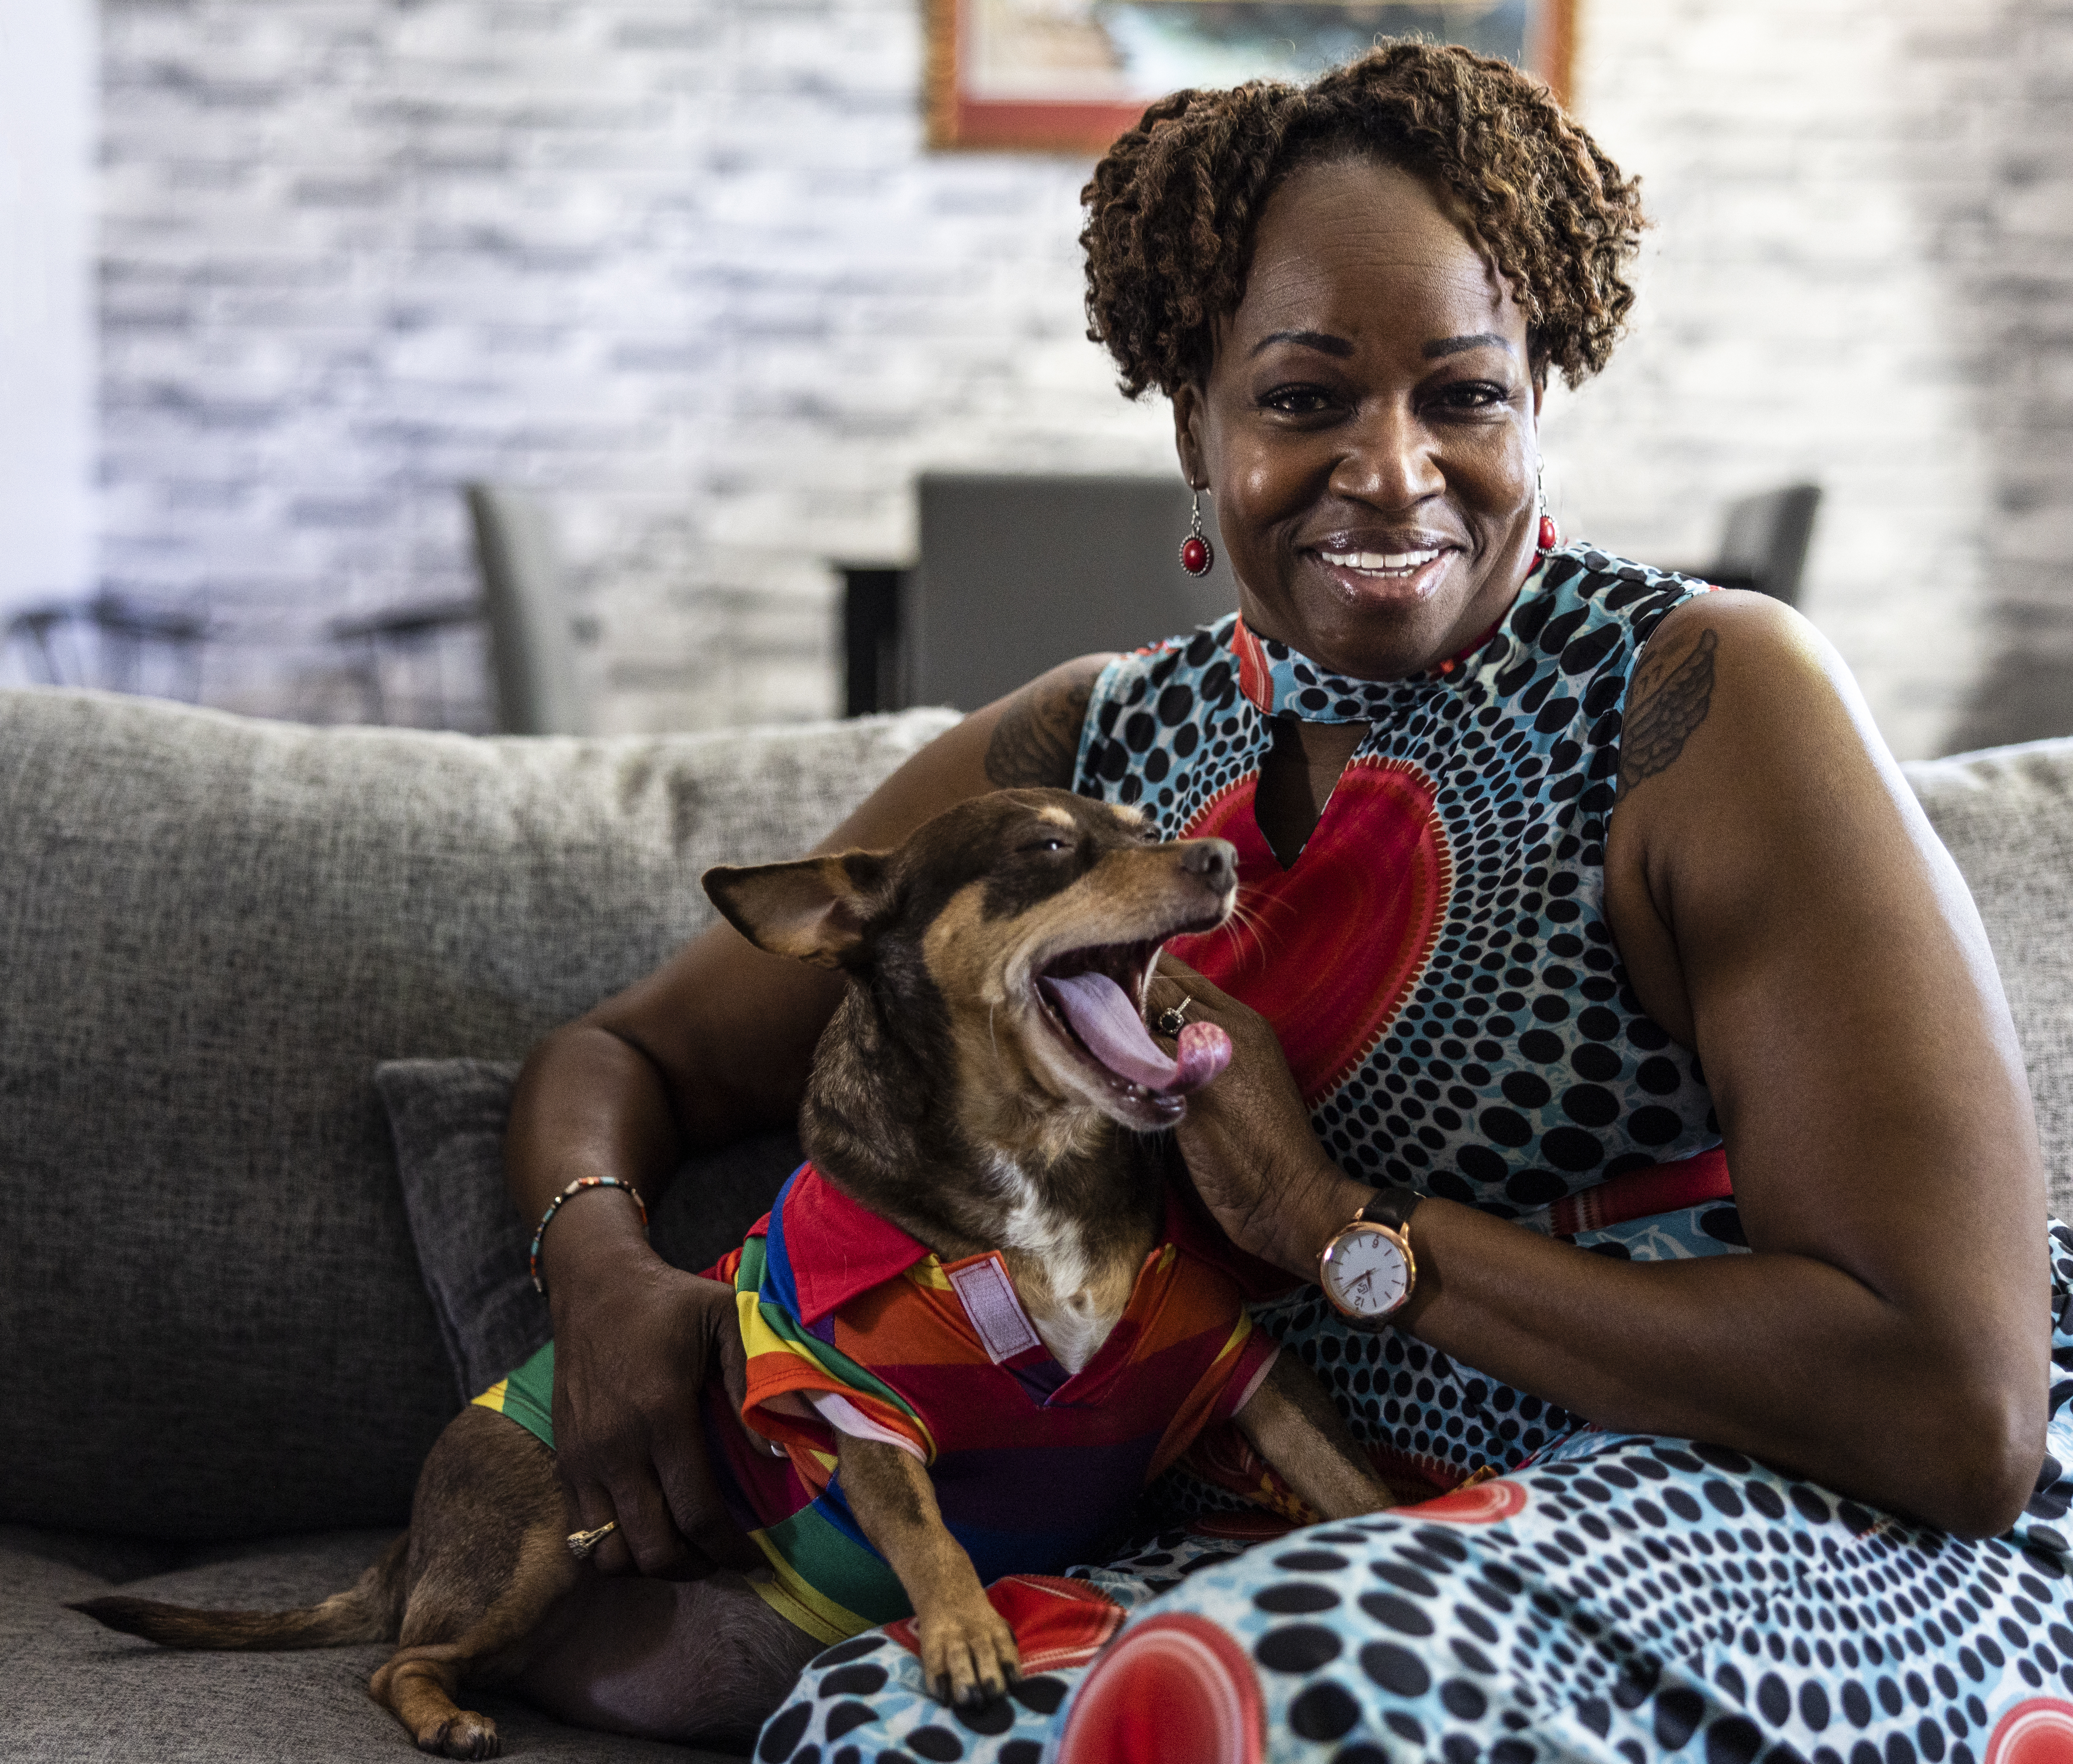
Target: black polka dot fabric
{"x":1520,"y":1068}
{"x":1628,"y":1597}
{"x":1621,"y":1599}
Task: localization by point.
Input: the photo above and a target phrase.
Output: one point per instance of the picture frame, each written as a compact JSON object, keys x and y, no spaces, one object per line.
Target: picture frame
{"x":1068,"y":76}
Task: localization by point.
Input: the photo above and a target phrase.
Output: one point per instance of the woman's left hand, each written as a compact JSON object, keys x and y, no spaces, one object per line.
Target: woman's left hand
{"x":1246,"y":1137}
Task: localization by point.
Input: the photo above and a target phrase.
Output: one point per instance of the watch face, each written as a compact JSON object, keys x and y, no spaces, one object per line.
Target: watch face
{"x":1367,"y":1272}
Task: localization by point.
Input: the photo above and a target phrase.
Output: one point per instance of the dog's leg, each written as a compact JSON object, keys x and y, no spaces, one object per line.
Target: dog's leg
{"x":968,"y":1652}
{"x":488,"y":1561}
{"x":1292,"y":1424}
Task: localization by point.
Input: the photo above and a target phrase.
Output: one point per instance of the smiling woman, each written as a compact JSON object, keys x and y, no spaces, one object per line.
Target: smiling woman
{"x":1594,"y":976}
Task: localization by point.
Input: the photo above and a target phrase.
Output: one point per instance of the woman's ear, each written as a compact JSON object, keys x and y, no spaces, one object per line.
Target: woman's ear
{"x":1189,"y":411}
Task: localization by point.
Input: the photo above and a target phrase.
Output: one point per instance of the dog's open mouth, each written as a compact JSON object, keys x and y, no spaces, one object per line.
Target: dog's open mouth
{"x":1090,"y":995}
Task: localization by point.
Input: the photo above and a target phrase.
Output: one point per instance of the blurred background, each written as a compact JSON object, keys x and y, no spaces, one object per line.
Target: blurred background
{"x":276,"y":279}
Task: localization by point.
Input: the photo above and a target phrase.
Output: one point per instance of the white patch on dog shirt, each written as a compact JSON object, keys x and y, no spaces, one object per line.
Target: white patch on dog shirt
{"x":987,"y":1294}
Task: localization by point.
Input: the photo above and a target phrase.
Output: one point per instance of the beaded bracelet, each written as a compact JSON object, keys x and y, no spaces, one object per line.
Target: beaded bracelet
{"x":555,"y":1206}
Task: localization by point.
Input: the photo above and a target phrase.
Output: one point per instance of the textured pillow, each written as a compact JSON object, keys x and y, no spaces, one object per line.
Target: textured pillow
{"x":447,"y":1117}
{"x":2007,"y":816}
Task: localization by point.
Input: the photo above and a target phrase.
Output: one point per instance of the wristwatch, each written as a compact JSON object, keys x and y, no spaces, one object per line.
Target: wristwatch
{"x":1366,"y":1270}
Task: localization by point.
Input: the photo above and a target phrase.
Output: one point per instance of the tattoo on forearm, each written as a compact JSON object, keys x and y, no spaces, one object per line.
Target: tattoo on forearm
{"x":1668,"y":700}
{"x":1037,"y":739}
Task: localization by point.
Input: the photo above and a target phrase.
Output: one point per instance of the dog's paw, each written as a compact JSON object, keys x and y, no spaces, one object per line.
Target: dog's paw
{"x":462,"y":1734}
{"x":968,"y":1656}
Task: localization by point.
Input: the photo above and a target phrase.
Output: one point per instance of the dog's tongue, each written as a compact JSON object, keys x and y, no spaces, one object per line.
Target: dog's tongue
{"x":1103,"y":1017}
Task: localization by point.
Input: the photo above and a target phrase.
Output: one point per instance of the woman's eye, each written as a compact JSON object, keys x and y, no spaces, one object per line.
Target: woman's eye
{"x":1472,"y":395}
{"x":1301,"y":401}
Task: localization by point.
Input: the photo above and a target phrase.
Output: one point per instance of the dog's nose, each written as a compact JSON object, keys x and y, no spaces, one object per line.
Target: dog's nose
{"x":1215,"y":861}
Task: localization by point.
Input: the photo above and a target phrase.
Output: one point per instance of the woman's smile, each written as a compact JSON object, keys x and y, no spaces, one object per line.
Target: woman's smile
{"x":1384,"y":572}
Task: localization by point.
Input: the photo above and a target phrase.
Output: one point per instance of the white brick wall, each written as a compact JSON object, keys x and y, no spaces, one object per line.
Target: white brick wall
{"x":1794,"y":321}
{"x":685,"y":267}
{"x":47,"y":375}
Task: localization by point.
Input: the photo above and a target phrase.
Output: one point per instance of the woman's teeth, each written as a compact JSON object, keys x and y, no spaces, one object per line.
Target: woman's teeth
{"x":1380,"y":562}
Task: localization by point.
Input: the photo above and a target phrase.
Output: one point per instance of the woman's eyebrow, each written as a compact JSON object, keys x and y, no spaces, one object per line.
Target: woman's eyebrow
{"x":1323,"y":341}
{"x":1440,"y":346}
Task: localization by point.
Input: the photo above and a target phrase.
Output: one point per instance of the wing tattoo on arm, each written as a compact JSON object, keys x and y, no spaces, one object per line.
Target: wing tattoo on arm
{"x":1037,"y":739}
{"x":1667,"y":702}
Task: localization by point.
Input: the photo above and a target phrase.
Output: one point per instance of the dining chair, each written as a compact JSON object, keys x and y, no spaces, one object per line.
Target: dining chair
{"x":1763,"y":542}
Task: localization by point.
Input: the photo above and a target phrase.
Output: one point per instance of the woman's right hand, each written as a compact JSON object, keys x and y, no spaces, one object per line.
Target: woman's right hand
{"x":1246,"y":1138}
{"x":634,"y":1348}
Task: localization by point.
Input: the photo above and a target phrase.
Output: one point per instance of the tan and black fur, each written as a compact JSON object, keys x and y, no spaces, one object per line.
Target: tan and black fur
{"x":950,"y":1097}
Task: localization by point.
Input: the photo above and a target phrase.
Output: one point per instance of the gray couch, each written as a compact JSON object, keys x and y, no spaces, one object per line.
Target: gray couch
{"x":219,"y":1364}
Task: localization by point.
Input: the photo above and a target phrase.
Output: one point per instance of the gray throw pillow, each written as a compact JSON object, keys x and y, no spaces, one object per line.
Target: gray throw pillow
{"x":448,"y":1118}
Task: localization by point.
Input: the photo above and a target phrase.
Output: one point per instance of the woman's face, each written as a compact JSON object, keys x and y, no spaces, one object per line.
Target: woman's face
{"x":1369,"y":427}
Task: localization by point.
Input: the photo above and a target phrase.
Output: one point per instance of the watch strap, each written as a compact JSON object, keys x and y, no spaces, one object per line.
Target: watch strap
{"x":1392,"y":1207}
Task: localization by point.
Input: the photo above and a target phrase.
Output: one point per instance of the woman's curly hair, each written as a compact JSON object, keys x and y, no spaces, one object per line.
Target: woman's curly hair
{"x":1171,"y":208}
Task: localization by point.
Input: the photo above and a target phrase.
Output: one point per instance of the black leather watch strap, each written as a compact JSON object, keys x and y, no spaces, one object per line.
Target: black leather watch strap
{"x":1392,"y":1207}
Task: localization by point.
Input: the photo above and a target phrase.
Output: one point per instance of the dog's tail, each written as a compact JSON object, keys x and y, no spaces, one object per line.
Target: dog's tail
{"x":372,"y":1611}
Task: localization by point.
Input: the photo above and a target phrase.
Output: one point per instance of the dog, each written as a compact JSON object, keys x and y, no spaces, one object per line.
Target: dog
{"x":986,"y":1103}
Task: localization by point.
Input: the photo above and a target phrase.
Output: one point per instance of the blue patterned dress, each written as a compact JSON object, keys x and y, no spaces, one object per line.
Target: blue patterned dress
{"x":1439,"y":967}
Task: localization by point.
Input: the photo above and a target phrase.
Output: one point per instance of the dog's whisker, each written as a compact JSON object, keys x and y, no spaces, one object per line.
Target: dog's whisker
{"x":1260,"y":917}
{"x":1246,"y":922}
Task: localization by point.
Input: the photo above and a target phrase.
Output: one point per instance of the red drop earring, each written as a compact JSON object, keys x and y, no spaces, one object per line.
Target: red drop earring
{"x":1550,"y":535}
{"x":1197,"y":553}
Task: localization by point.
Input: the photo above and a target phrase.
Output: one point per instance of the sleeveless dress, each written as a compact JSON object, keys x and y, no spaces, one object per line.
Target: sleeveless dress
{"x":1438,"y":969}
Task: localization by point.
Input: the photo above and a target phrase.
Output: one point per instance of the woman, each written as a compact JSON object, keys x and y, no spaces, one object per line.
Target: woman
{"x":1562,"y":871}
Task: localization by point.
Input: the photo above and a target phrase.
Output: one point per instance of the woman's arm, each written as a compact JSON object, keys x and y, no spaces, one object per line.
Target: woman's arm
{"x":1782,"y":906}
{"x":715,"y":1043}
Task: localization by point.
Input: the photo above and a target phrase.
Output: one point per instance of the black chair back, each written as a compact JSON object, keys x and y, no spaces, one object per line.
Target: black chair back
{"x":1765,"y":545}
{"x":1018,"y":573}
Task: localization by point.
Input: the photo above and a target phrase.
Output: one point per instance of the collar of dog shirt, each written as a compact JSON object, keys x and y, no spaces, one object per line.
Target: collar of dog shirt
{"x":837,"y":1249}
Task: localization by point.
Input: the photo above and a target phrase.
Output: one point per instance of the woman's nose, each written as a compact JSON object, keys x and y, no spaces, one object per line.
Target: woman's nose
{"x":1390,"y":461}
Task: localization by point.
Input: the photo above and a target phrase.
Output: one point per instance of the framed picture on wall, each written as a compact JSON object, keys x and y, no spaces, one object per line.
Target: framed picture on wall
{"x":1070,"y":76}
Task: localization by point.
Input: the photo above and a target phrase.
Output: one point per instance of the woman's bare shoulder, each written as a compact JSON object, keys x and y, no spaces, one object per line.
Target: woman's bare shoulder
{"x":1755,"y":795}
{"x":1034,"y":739}
{"x":1749,"y":658}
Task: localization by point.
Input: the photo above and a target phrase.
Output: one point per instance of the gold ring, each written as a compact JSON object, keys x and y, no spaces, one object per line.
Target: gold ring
{"x":581,"y":1544}
{"x":1174,"y":1018}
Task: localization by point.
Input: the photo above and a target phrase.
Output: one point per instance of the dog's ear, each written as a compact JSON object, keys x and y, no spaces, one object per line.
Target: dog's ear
{"x":813,"y":909}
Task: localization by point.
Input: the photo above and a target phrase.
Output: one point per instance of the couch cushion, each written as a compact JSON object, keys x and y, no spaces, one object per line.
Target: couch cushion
{"x":2007,"y":816}
{"x":212,"y":930}
{"x":448,"y":1117}
{"x":73,"y":1692}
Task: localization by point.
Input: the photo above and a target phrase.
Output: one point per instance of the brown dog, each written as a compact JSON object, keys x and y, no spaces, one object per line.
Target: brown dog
{"x":986,"y":1086}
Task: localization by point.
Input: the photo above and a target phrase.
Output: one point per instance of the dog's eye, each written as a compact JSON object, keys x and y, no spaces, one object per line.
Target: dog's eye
{"x":1048,"y":843}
